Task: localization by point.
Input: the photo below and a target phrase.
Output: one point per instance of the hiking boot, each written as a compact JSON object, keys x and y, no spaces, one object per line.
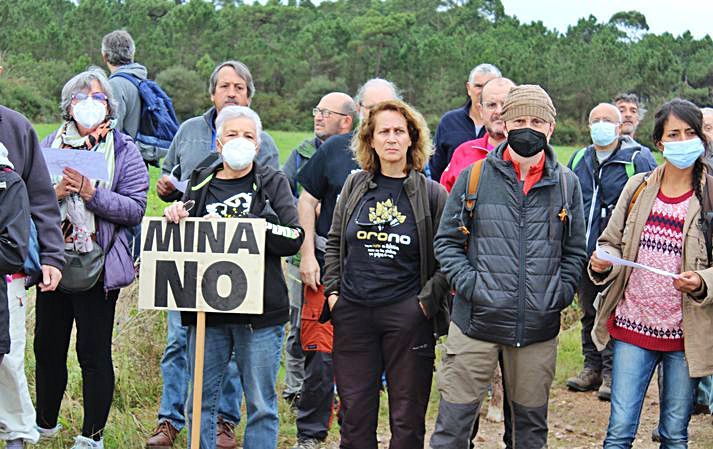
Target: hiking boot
{"x":604,"y":392}
{"x":307,"y":443}
{"x":587,"y":380}
{"x":163,"y":436}
{"x":82,"y":442}
{"x":225,"y":435}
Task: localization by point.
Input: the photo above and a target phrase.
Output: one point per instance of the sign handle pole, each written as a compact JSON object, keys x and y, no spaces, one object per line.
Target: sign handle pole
{"x":198,"y":381}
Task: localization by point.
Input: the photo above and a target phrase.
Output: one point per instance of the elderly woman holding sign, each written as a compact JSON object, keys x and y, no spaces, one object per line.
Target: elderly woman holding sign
{"x":96,"y":217}
{"x":233,"y":185}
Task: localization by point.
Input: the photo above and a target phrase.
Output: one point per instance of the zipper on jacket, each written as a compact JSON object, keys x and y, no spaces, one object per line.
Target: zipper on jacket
{"x":521,"y":275}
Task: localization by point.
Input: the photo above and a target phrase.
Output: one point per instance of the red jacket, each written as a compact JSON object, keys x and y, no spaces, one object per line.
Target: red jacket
{"x":466,"y":154}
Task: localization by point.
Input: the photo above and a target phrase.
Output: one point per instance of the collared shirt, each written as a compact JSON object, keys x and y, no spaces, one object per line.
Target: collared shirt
{"x":534,"y":174}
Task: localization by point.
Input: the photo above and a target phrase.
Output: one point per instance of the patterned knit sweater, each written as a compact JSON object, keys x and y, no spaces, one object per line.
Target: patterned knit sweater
{"x":649,"y":315}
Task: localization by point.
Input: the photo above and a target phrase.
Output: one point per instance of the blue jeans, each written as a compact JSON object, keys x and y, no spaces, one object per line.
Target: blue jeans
{"x":174,"y":371}
{"x":632,"y":370}
{"x":257,"y":352}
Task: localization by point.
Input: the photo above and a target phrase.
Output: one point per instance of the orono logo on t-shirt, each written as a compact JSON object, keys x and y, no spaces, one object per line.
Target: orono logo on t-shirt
{"x":379,"y":243}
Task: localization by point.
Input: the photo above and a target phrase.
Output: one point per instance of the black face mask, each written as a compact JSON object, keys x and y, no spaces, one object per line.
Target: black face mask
{"x":526,"y":141}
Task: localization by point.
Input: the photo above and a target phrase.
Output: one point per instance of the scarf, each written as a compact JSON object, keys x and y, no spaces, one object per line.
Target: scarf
{"x":72,"y":208}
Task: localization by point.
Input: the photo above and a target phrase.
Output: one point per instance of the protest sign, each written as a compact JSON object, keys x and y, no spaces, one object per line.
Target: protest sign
{"x":210,"y":265}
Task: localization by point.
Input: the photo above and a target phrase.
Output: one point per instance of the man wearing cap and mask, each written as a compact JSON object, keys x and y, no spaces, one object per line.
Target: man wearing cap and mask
{"x":603,"y":169}
{"x":514,"y":264}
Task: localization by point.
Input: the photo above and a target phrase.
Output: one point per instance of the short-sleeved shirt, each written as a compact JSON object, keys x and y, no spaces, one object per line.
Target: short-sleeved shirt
{"x":324,"y":175}
{"x":382,"y":261}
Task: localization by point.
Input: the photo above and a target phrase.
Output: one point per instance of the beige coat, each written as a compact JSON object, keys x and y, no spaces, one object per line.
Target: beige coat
{"x":697,"y":314}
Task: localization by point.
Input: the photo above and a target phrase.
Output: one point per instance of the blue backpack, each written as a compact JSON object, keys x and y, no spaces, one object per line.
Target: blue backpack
{"x":158,"y":123}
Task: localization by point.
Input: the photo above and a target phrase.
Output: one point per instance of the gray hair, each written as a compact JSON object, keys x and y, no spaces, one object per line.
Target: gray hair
{"x":618,"y":112}
{"x":631,"y":98}
{"x":349,"y":108}
{"x":233,"y":112}
{"x":118,"y":48}
{"x":706,"y":111}
{"x":81,"y":82}
{"x":242,"y":71}
{"x":483,"y":68}
{"x":371,"y":83}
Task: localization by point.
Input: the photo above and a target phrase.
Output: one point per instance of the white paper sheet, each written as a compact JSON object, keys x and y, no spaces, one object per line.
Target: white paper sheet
{"x":89,"y":163}
{"x":619,"y":261}
{"x":181,"y":186}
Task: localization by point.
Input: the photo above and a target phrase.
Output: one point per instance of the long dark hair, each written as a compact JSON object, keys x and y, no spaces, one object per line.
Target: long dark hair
{"x":691,"y":114}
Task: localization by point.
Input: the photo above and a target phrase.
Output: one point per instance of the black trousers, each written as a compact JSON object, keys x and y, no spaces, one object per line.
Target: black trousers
{"x":587,"y":293}
{"x":93,"y":312}
{"x":395,"y":338}
{"x":314,"y":409}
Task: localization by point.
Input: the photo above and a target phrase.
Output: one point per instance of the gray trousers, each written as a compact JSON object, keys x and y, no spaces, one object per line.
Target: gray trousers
{"x":466,"y":368}
{"x":294,"y":358}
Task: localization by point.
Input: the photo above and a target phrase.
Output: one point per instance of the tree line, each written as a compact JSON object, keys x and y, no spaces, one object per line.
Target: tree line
{"x":298,"y":51}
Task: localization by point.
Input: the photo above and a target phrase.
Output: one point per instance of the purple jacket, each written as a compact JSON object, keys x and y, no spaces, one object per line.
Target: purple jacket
{"x":118,"y":209}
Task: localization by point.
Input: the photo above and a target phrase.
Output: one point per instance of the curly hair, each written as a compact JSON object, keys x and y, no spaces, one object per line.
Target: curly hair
{"x":417,"y":154}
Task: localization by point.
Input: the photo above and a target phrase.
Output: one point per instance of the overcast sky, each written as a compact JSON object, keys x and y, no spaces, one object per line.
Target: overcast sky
{"x":676,"y":17}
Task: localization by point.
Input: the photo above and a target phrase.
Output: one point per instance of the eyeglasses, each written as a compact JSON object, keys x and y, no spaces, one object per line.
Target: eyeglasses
{"x":326,"y":113}
{"x":80,"y":96}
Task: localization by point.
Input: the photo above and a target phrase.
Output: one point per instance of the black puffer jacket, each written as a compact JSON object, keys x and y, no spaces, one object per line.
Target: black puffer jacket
{"x":523,"y":262}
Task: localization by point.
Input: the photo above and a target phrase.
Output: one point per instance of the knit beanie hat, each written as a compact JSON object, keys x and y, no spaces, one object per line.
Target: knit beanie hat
{"x":528,"y":99}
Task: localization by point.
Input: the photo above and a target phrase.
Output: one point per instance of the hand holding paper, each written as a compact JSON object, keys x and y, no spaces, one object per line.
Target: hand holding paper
{"x":605,"y":256}
{"x":89,"y":163}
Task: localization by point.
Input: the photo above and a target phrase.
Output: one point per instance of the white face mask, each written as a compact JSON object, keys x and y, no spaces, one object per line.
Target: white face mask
{"x":89,"y":113}
{"x":239,"y":153}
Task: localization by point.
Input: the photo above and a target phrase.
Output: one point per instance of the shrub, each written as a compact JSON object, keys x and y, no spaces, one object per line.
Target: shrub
{"x":186,"y":89}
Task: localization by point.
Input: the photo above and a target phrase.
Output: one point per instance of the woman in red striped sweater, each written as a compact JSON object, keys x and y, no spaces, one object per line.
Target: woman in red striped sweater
{"x":653,"y":318}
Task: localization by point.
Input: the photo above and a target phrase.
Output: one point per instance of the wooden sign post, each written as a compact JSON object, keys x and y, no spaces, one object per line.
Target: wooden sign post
{"x":202,"y":265}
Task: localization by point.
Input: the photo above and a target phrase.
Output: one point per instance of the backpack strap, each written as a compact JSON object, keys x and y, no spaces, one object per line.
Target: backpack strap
{"x":471,"y":194}
{"x":630,"y":167}
{"x":707,"y":216}
{"x":131,"y":78}
{"x":636,"y":194}
{"x":473,"y":184}
{"x":564,"y":192}
{"x":577,"y":157}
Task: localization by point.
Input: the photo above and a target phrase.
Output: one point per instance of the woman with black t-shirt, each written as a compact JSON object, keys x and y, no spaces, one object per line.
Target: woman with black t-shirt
{"x":232,"y":185}
{"x":384,"y":291}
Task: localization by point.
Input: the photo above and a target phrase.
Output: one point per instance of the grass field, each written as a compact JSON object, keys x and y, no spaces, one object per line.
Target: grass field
{"x":139,"y":341}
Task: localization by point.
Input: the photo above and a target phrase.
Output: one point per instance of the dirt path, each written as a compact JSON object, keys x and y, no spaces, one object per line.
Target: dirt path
{"x":579,"y":421}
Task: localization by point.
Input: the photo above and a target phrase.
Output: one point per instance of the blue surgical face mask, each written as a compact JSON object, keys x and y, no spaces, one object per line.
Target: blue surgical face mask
{"x":683,"y":154}
{"x":603,"y":133}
